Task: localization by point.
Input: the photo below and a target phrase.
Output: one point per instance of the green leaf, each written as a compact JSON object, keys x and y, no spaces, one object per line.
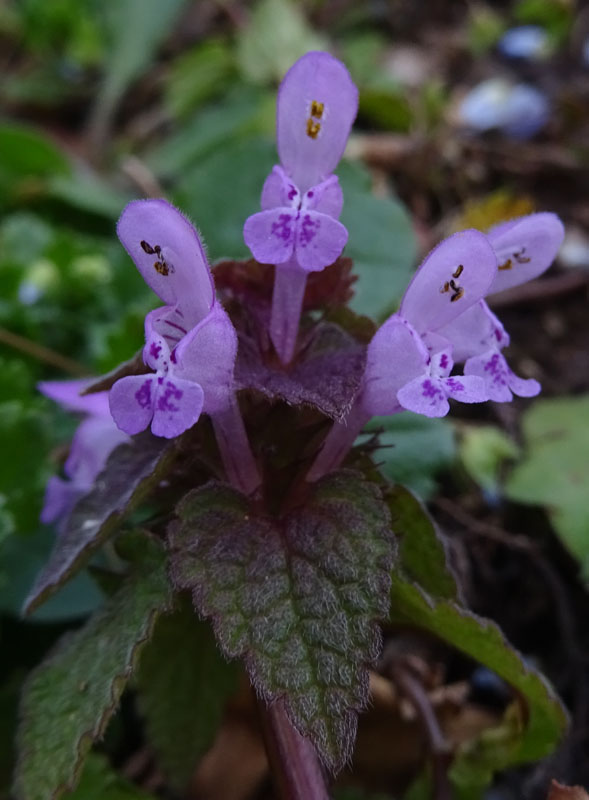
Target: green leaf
{"x":25,"y":157}
{"x":483,"y":641}
{"x":22,"y":557}
{"x":381,"y":243}
{"x":483,"y":450}
{"x":422,"y":549}
{"x":131,"y":472}
{"x":183,"y":683}
{"x":69,"y":699}
{"x":277,"y":35}
{"x":136,"y":30}
{"x":24,"y":434}
{"x":295,"y":597}
{"x":414,"y":449}
{"x":100,"y":782}
{"x":198,"y":75}
{"x":213,"y":128}
{"x":555,"y":470}
{"x":242,"y":165}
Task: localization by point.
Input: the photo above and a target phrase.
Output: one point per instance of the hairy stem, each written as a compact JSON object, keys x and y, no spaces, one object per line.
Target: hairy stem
{"x":287,"y":303}
{"x":295,"y":767}
{"x":238,"y":460}
{"x":338,"y":442}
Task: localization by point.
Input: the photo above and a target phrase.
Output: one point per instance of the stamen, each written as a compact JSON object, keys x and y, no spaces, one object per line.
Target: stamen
{"x":507,"y":265}
{"x":147,"y":248}
{"x":161,"y":267}
{"x":520,"y":258}
{"x":317,"y":109}
{"x":458,"y":293}
{"x":445,"y":288}
{"x":313,"y":128}
{"x":459,"y":271}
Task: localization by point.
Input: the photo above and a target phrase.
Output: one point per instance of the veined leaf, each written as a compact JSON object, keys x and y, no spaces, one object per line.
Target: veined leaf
{"x":69,"y":699}
{"x":295,"y":597}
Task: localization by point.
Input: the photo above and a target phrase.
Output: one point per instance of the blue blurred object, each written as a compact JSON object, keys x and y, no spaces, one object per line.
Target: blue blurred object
{"x":520,"y":111}
{"x":526,"y":42}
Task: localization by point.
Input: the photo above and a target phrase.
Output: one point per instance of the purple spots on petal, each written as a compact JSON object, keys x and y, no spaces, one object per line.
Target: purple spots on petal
{"x":143,"y":394}
{"x":454,"y":385}
{"x":160,"y":380}
{"x":292,"y":192}
{"x":164,"y":401}
{"x":497,"y":333}
{"x":430,"y":389}
{"x":444,"y":361}
{"x":310,"y":193}
{"x":497,"y":369}
{"x":155,"y":350}
{"x":308,"y":231}
{"x":282,"y":229}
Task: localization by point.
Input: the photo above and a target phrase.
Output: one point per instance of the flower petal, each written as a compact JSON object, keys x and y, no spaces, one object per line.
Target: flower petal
{"x":474,"y":332}
{"x":424,"y":395}
{"x":317,"y":104}
{"x":499,"y":379}
{"x":67,"y":394}
{"x":207,"y":356}
{"x":395,"y":356}
{"x":60,"y":497}
{"x":453,"y":277}
{"x":320,"y":240}
{"x":169,"y":255}
{"x":466,"y":388}
{"x":131,"y":402}
{"x":270,"y":235}
{"x":525,"y":248}
{"x":178,"y":405}
{"x":94,"y":440}
{"x":279,"y":190}
{"x":327,"y":197}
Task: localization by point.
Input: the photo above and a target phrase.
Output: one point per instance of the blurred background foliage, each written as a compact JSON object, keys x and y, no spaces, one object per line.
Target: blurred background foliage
{"x":101,"y":102}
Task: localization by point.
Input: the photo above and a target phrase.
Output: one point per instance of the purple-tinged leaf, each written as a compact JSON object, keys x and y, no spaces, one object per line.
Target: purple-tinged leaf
{"x":69,"y":699}
{"x":131,"y":473}
{"x":328,"y":377}
{"x":296,"y":597}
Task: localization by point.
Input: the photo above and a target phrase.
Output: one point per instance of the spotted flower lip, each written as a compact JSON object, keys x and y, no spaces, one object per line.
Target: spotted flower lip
{"x":525,"y":248}
{"x":297,"y":225}
{"x":317,"y":104}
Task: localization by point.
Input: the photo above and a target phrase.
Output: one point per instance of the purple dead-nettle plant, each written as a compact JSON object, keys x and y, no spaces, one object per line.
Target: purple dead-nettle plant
{"x":293,"y":572}
{"x":298,"y":228}
{"x":525,"y":248}
{"x":94,"y":440}
{"x":190,"y":342}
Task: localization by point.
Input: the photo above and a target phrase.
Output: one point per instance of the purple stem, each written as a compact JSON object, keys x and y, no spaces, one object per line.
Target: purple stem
{"x":238,"y":460}
{"x":287,"y":303}
{"x":338,"y":442}
{"x":293,"y":760}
